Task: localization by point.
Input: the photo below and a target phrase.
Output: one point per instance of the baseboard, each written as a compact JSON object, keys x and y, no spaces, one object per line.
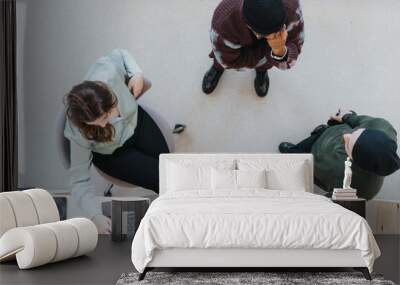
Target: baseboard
{"x":384,"y":216}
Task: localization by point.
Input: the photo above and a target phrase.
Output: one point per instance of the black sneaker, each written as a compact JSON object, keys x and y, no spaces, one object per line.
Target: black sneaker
{"x":210,"y":80}
{"x":261,"y":83}
{"x":286,"y":147}
{"x":179,"y":128}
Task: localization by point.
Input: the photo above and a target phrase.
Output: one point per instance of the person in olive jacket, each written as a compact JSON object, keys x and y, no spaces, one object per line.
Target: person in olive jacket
{"x":371,"y":143}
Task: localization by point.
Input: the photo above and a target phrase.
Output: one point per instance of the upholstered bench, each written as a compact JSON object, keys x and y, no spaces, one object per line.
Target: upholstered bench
{"x":31,"y":231}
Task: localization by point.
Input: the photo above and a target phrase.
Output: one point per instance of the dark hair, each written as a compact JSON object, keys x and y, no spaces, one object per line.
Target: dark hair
{"x":87,"y":102}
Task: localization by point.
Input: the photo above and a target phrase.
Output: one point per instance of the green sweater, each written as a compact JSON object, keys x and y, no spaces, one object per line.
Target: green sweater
{"x":329,"y":156}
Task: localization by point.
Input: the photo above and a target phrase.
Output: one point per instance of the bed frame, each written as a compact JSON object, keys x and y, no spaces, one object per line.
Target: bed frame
{"x":244,"y":259}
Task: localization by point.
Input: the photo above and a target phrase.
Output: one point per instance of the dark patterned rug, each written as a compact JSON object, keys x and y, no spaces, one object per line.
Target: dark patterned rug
{"x":243,"y":278}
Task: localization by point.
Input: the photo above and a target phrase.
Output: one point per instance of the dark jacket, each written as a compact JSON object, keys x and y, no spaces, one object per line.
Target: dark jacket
{"x":329,"y":156}
{"x":235,"y":46}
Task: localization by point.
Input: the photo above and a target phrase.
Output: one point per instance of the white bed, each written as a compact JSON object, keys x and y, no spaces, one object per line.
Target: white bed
{"x":201,"y":219}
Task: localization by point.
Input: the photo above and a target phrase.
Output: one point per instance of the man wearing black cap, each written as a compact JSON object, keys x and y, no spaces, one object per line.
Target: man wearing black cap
{"x":370,"y":142}
{"x":256,"y":34}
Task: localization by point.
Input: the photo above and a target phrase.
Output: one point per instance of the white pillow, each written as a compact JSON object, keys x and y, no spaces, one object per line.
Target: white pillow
{"x":290,"y":179}
{"x":193,"y":175}
{"x":281,"y":174}
{"x":183,"y":178}
{"x":223,"y":179}
{"x":226,"y":179}
{"x":251,"y":178}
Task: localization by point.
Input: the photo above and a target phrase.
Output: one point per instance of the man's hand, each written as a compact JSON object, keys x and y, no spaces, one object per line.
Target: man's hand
{"x":277,"y":42}
{"x":103,"y":224}
{"x":338,"y":117}
{"x":135,"y":84}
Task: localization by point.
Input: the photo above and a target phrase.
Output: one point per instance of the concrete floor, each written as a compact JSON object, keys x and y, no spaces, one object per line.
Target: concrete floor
{"x":110,"y":260}
{"x":102,"y":266}
{"x":349,"y":59}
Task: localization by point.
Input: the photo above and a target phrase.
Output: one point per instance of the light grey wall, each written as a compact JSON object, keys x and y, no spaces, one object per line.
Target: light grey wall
{"x":350,"y":59}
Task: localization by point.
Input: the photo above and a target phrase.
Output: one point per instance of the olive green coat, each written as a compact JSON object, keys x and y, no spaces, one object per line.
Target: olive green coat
{"x":330,"y":155}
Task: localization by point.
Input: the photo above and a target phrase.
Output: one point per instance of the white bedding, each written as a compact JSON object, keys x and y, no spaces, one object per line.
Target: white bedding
{"x":250,"y":218}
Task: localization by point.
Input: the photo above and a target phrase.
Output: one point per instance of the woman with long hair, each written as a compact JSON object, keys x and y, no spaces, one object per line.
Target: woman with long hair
{"x":107,"y":127}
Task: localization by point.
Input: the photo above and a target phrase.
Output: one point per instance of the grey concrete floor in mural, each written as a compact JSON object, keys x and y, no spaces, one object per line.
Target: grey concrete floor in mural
{"x":342,"y":65}
{"x":110,"y":260}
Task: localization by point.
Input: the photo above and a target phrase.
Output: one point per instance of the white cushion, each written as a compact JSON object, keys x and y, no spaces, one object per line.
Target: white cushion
{"x":223,"y":179}
{"x":66,"y":237}
{"x":7,"y":218}
{"x":45,"y":206}
{"x":23,"y":208}
{"x":26,"y":208}
{"x":87,"y":235}
{"x":287,"y":179}
{"x":251,"y":178}
{"x":183,"y":178}
{"x":32,"y":246}
{"x":40,"y":244}
{"x":193,"y":174}
{"x":281,"y":175}
{"x":226,"y":179}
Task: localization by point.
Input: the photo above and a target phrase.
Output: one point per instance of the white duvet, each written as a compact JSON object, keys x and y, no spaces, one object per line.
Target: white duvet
{"x":250,"y":219}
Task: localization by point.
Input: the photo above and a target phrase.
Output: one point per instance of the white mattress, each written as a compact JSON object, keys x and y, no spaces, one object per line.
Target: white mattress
{"x":250,"y":219}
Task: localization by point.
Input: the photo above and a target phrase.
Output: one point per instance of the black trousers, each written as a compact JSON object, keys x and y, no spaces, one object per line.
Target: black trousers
{"x":136,"y":161}
{"x":306,"y":145}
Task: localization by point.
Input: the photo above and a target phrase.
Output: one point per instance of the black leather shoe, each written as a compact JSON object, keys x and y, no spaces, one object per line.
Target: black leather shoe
{"x":286,"y":147}
{"x":210,"y":80}
{"x":261,"y":83}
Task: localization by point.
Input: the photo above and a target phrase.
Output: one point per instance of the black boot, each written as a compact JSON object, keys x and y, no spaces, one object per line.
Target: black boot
{"x":210,"y":80}
{"x":261,"y":83}
{"x":286,"y":147}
